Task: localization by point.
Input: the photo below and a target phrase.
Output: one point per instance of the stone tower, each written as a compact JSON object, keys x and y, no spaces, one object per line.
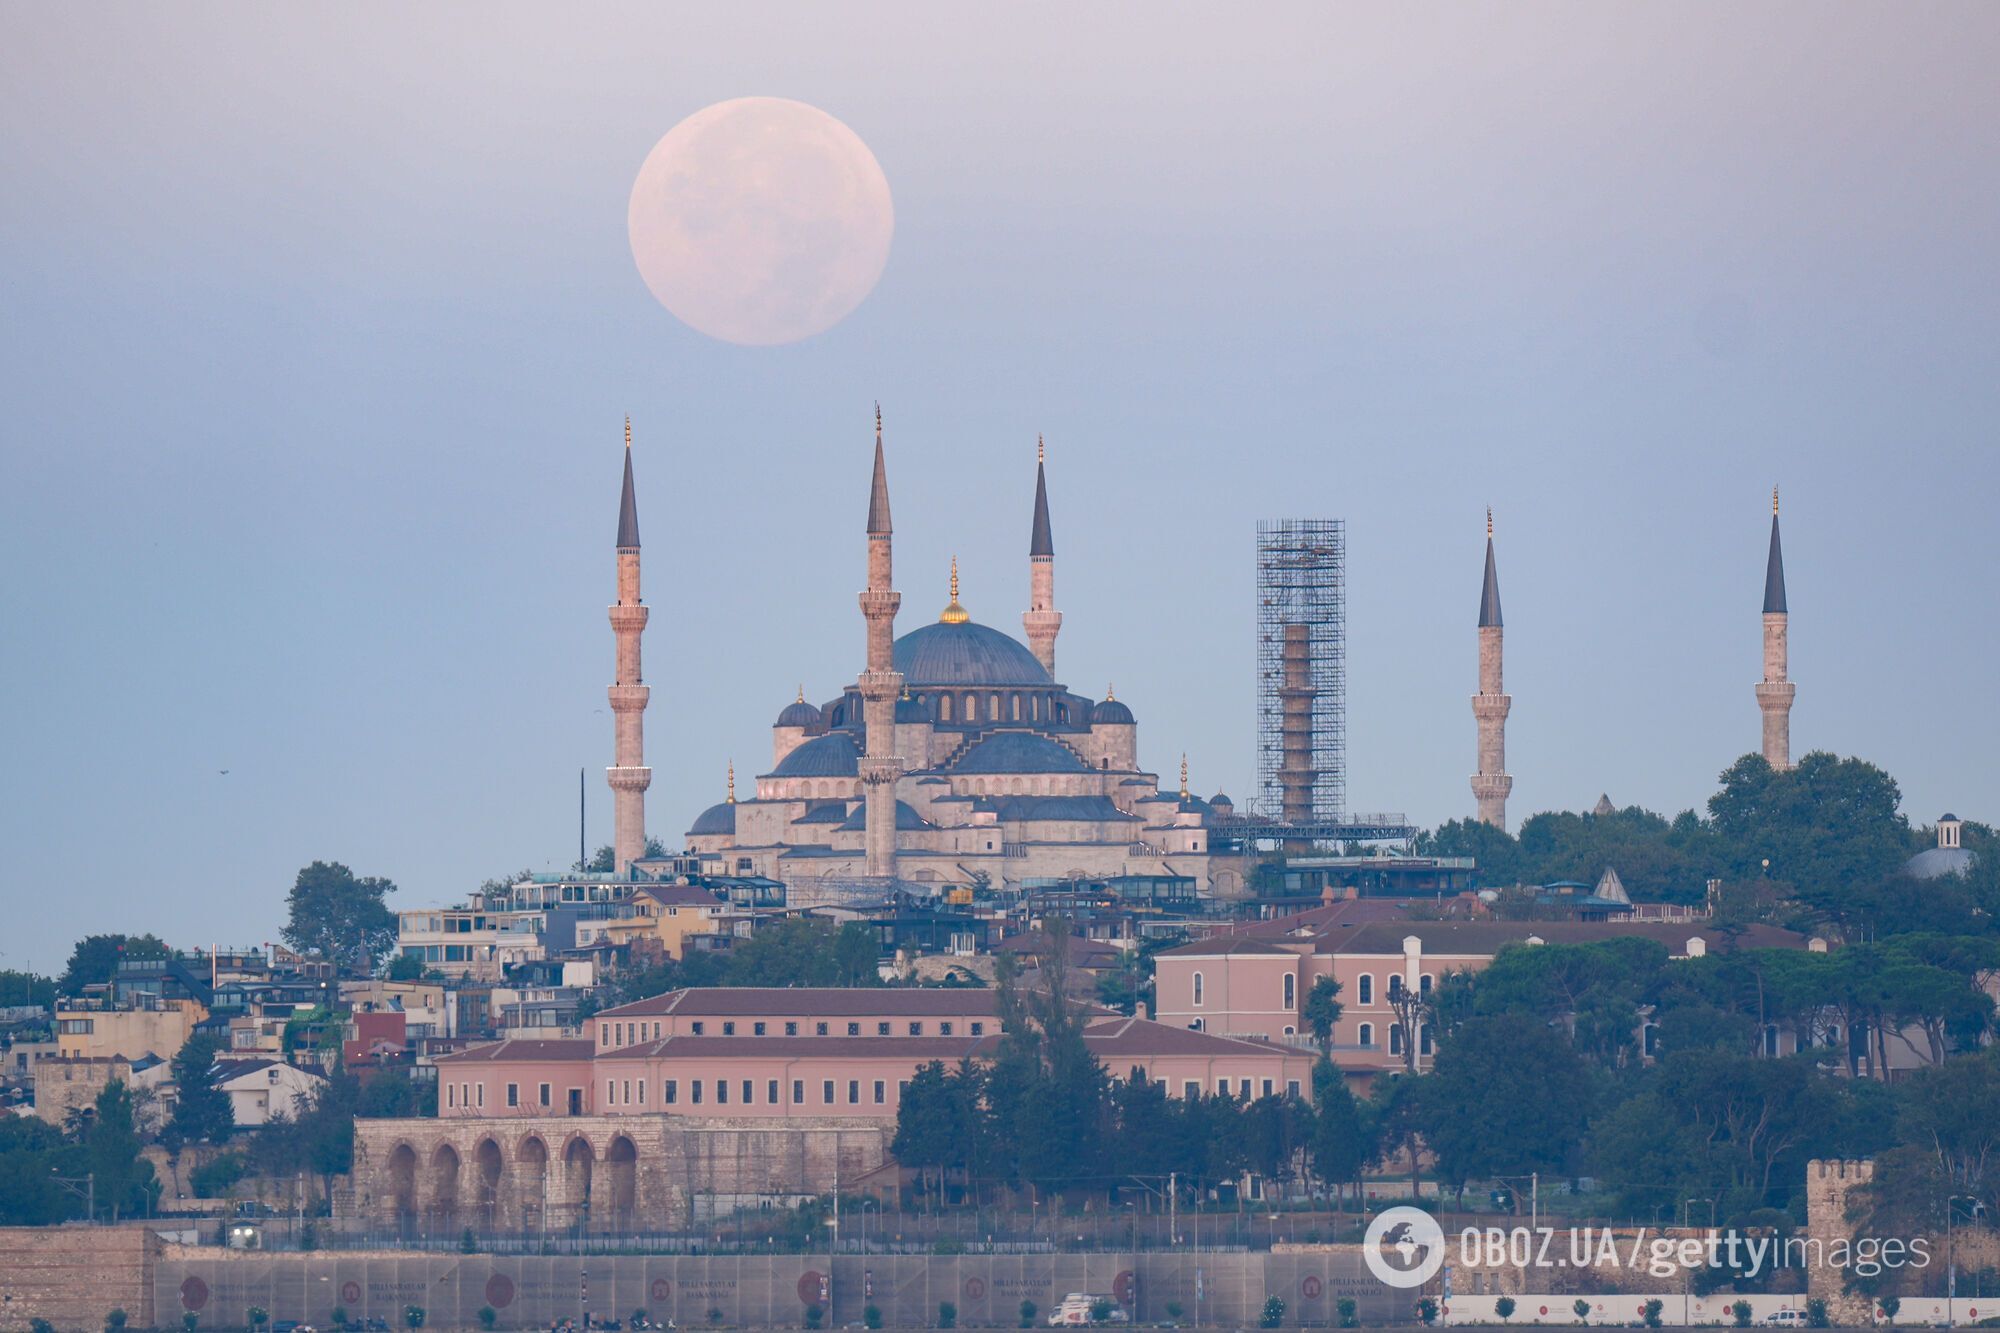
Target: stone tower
{"x":1491,"y":783}
{"x":1042,"y":621}
{"x":880,"y":681}
{"x":628,"y":775}
{"x":1775,"y":691}
{"x":1295,"y":767}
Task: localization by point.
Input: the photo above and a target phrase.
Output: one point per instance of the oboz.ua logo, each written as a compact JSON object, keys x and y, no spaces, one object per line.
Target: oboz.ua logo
{"x":1404,"y":1247}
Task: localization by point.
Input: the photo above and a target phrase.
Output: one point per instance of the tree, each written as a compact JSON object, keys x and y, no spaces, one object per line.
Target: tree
{"x":605,"y":859}
{"x":341,"y":917}
{"x":1341,"y":1144}
{"x":1274,"y":1312}
{"x":95,"y":959}
{"x":1507,"y":1096}
{"x":1828,"y":827}
{"x":32,"y":1156}
{"x":405,"y":967}
{"x":125,"y":1183}
{"x":806,"y":951}
{"x":1504,"y":1307}
{"x":202,"y":1111}
{"x":1321,"y":1011}
{"x":26,"y":989}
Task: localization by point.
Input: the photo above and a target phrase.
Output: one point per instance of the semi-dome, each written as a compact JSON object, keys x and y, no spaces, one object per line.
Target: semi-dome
{"x":1019,"y":752}
{"x":1110,"y":713}
{"x":965,"y":653}
{"x":799,"y":713}
{"x":833,"y":755}
{"x":718,"y":818}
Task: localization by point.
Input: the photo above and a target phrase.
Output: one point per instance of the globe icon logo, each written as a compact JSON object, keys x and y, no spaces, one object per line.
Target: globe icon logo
{"x":1403,"y":1247}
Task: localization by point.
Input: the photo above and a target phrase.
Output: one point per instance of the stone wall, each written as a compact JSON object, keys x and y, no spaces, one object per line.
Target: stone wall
{"x":600,"y":1173}
{"x":76,"y":1275}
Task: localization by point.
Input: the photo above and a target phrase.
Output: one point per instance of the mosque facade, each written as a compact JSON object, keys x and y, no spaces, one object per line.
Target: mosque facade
{"x":958,"y":755}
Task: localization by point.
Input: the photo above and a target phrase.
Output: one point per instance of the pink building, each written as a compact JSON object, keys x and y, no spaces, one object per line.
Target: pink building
{"x":813,"y":1054}
{"x":1255,"y":983}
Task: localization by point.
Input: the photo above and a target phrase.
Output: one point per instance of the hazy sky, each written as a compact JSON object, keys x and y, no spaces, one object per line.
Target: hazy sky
{"x":318,"y":325}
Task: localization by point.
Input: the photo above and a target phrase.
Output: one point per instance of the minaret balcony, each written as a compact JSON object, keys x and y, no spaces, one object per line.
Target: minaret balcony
{"x":629,"y":619}
{"x":1775,"y":693}
{"x":1492,"y":707}
{"x":629,"y":779}
{"x":880,"y":602}
{"x":628,"y":698}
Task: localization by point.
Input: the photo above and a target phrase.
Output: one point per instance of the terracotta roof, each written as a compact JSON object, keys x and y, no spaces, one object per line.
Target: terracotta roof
{"x":813,"y":1002}
{"x":948,"y":1049}
{"x":1135,"y":1038}
{"x":681,"y":895}
{"x":1484,"y":938}
{"x":522,"y":1048}
{"x":1227,"y":946}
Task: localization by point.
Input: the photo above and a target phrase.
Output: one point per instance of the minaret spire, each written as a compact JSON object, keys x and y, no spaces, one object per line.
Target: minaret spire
{"x":1042,"y":621}
{"x":880,"y":681}
{"x":1776,"y":691}
{"x":1491,"y":784}
{"x":628,"y":776}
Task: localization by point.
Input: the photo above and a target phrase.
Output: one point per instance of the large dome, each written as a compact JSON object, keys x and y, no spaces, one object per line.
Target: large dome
{"x":1019,"y":752}
{"x":964,"y":653}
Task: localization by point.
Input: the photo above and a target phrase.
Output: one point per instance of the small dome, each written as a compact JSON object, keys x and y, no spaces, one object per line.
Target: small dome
{"x":718,"y":818}
{"x":799,"y":713}
{"x":833,"y":755}
{"x":1221,"y":799}
{"x":1937,"y":862}
{"x":1110,"y":713}
{"x":1948,"y":818}
{"x":1019,"y":752}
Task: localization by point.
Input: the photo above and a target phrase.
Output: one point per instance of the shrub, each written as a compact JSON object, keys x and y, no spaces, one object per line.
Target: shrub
{"x":714,"y":1314}
{"x":212,"y":1179}
{"x":1173,"y":1309}
{"x":1274,"y":1313}
{"x":1028,"y":1313}
{"x":1345,"y":1308}
{"x":467,"y":1242}
{"x":872,"y":1317}
{"x":488,"y":1316}
{"x":1816,"y":1313}
{"x":1890,"y":1305}
{"x":947,"y":1315}
{"x":1581,"y":1308}
{"x":815,"y":1315}
{"x":1100,"y":1309}
{"x":115,"y":1321}
{"x":1650,"y":1311}
{"x":1504,"y":1307}
{"x":1426,"y":1310}
{"x":339,"y":1316}
{"x":413,"y":1316}
{"x":1740,"y":1312}
{"x":256,"y":1317}
{"x":189,"y":1322}
{"x":308,"y":1237}
{"x":41,"y":1326}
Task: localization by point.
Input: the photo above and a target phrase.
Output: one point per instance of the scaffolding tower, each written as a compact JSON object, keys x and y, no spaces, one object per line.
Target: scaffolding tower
{"x":1302,"y":670}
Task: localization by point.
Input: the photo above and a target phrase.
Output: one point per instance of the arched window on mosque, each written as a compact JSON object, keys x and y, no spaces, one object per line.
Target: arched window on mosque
{"x":995,"y":701}
{"x":944,"y":707}
{"x":1035,"y":707}
{"x":971,"y":707}
{"x":1017,"y":708}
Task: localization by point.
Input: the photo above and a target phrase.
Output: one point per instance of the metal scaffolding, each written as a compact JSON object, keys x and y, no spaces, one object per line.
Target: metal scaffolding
{"x":1302,"y":670}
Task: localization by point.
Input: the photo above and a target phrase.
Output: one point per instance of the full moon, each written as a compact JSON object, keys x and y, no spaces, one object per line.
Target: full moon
{"x":761,"y":221}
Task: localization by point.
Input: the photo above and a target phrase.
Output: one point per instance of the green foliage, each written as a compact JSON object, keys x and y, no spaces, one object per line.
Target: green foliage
{"x":41,"y":1326}
{"x":95,"y":959}
{"x":1321,"y":1011}
{"x":1581,"y":1309}
{"x":1345,"y":1310}
{"x":1504,"y":1307}
{"x":33,"y":1154}
{"x":115,"y":1320}
{"x":468,"y":1243}
{"x":1506,"y":1096}
{"x":1816,"y":1316}
{"x":256,"y":1317}
{"x":1173,"y":1309}
{"x":1739,"y":1314}
{"x":202,"y":1113}
{"x":488,"y":1316}
{"x":1890,"y":1306}
{"x":871,"y":1316}
{"x":413,"y":1316}
{"x":125,"y":1182}
{"x":1425,"y":1309}
{"x":1273,"y":1314}
{"x":190,"y":1321}
{"x":26,"y":988}
{"x":815,"y":1315}
{"x":1650,"y":1310}
{"x":213,"y":1178}
{"x":1101,"y":1308}
{"x":1028,"y":1314}
{"x":947,"y":1315}
{"x":339,"y":1316}
{"x":604,"y":860}
{"x":806,"y":951}
{"x":405,"y":967}
{"x":340,"y":916}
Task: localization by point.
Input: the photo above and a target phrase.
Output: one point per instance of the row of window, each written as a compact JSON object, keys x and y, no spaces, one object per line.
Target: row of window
{"x":630,"y":1034}
{"x":721,"y":1091}
{"x":1364,"y":989}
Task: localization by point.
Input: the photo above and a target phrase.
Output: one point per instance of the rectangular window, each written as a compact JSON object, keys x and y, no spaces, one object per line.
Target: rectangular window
{"x":450,"y":1095}
{"x":544,"y":1090}
{"x":881,"y":1029}
{"x":1222,"y":1086}
{"x":513,"y":1094}
{"x":853,"y":1029}
{"x":1267,"y":1087}
{"x":798,"y":1092}
{"x":819,"y":1029}
{"x":1190,"y":1089}
{"x":944,"y":1029}
{"x":854,"y":1092}
{"x":1197,"y":990}
{"x":1291,"y":1087}
{"x":642,"y":1092}
{"x":881,"y":1092}
{"x":729,"y":1029}
{"x":482,"y":1092}
{"x":757,"y":1029}
{"x":697,"y":1027}
{"x":670,"y":1091}
{"x":826,"y":1092}
{"x":694,"y":1091}
{"x":916,"y":1029}
{"x":610,"y":1092}
{"x":721,"y":1091}
{"x":628,"y":1092}
{"x":978,"y":1028}
{"x":771,"y":1092}
{"x":791,"y":1029}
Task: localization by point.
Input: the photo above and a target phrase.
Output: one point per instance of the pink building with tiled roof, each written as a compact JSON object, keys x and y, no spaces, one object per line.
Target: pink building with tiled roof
{"x":810,"y":1054}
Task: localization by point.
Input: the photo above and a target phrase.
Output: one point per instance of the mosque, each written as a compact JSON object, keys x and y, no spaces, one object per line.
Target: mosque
{"x":957,"y":756}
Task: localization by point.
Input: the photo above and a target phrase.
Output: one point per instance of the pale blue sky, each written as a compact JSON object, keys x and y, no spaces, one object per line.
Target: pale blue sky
{"x":317,"y":326}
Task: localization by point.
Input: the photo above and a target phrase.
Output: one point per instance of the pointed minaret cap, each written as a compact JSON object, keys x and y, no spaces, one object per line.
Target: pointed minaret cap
{"x":1489,"y":594}
{"x":1774,"y":567}
{"x":628,"y":503}
{"x":1040,"y":540}
{"x":878,"y":493}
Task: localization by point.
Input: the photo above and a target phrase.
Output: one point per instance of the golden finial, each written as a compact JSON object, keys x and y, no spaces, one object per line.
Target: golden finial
{"x":878,"y":421}
{"x":732,"y":782}
{"x":1041,"y":450}
{"x":1184,"y":786}
{"x":954,"y":614}
{"x":1774,"y":502}
{"x":1489,"y":521}
{"x":802,"y":692}
{"x":628,"y":430}
{"x":1110,"y":694}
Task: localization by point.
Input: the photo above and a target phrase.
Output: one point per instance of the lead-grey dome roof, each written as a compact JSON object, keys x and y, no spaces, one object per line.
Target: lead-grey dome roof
{"x":1019,"y":752}
{"x":718,"y":818}
{"x":833,"y":755}
{"x":1110,"y":712}
{"x":965,"y":654}
{"x":801,"y":714}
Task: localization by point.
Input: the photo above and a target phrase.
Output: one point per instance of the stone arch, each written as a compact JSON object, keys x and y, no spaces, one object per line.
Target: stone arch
{"x":403,"y":1186}
{"x":579,"y":1166}
{"x":531,"y":1176}
{"x":621,"y":1179}
{"x":489,"y":1177}
{"x":444,"y":1186}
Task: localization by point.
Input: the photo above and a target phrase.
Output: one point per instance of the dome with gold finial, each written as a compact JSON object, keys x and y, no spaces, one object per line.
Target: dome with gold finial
{"x":953,"y":613}
{"x":799,"y":713}
{"x":957,"y":651}
{"x":1108,"y":712}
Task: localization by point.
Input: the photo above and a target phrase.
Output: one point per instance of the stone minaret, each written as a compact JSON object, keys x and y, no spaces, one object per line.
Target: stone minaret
{"x":1296,"y":774}
{"x":629,"y":776}
{"x":880,"y":681}
{"x":1775,"y":691}
{"x":1042,"y":620}
{"x":1491,"y":783}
